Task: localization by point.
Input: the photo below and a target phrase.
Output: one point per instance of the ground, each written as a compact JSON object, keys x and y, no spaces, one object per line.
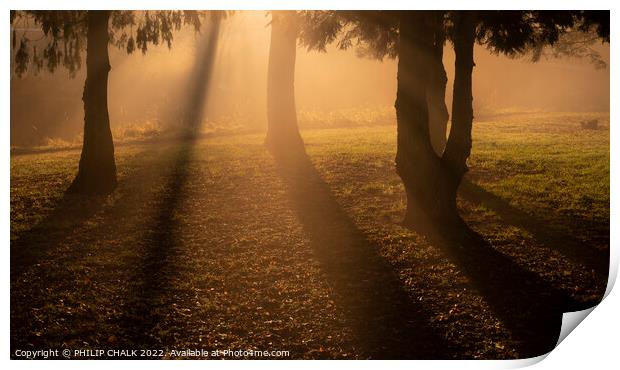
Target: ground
{"x":214,"y":244}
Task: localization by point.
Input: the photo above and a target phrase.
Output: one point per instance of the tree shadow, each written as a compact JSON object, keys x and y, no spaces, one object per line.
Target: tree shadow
{"x":146,"y":302}
{"x":69,"y":213}
{"x":31,"y":248}
{"x":529,"y":307}
{"x":64,"y":236}
{"x":543,"y":232}
{"x":72,"y":211}
{"x":386,"y":322}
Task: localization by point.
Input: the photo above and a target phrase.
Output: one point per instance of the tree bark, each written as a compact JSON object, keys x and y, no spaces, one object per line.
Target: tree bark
{"x":97,"y":169}
{"x":282,"y":129}
{"x":416,"y":162}
{"x":431,"y":182}
{"x":458,"y":147}
{"x":436,"y":95}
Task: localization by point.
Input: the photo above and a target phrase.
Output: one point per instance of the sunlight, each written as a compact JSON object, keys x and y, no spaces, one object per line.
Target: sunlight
{"x":276,"y":184}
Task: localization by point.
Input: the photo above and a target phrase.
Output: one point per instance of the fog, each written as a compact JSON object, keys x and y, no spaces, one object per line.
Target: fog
{"x":149,"y":90}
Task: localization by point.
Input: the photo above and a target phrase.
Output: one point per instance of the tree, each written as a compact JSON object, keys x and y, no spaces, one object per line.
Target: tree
{"x":282,"y":130}
{"x":66,"y":36}
{"x":436,"y":95}
{"x":375,"y":35}
{"x":572,"y":44}
{"x":431,"y":180}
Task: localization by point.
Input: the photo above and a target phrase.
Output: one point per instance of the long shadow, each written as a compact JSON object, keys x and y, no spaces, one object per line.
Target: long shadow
{"x":154,"y":269}
{"x":543,"y":232}
{"x":31,"y":248}
{"x":386,"y":322}
{"x":528,"y":306}
{"x":146,"y":302}
{"x":69,"y":213}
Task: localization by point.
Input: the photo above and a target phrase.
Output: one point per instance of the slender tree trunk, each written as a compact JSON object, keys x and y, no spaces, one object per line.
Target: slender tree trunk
{"x":97,"y":170}
{"x":282,"y":130}
{"x":458,"y":147}
{"x":436,"y":95}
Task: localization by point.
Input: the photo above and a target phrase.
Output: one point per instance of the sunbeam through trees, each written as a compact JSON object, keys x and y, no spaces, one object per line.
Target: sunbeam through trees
{"x":306,"y":184}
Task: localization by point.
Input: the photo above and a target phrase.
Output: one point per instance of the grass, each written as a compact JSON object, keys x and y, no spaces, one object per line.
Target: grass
{"x":221,"y":246}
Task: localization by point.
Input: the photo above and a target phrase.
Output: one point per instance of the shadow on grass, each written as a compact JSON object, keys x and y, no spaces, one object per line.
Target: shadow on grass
{"x":72,"y":211}
{"x":528,"y":306}
{"x":386,"y":321}
{"x":543,"y":232}
{"x":69,"y":213}
{"x":33,"y":247}
{"x":60,"y":241}
{"x":147,"y":301}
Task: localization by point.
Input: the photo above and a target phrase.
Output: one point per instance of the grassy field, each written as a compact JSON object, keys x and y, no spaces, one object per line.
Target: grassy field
{"x":218,"y":245}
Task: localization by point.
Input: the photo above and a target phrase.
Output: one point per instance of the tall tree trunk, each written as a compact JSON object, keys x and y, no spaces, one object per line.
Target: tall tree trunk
{"x":458,"y":147}
{"x":282,"y":130}
{"x":431,"y":182}
{"x":97,"y":170}
{"x":417,"y":163}
{"x":436,"y":94}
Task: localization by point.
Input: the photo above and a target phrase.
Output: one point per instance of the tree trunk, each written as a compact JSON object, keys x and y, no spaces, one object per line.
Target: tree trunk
{"x":431,"y":182}
{"x":97,"y":170}
{"x":417,"y":163}
{"x":436,"y":94}
{"x":282,"y":130}
{"x":458,"y":147}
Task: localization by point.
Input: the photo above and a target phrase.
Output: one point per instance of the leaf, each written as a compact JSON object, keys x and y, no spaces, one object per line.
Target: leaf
{"x":131,"y":45}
